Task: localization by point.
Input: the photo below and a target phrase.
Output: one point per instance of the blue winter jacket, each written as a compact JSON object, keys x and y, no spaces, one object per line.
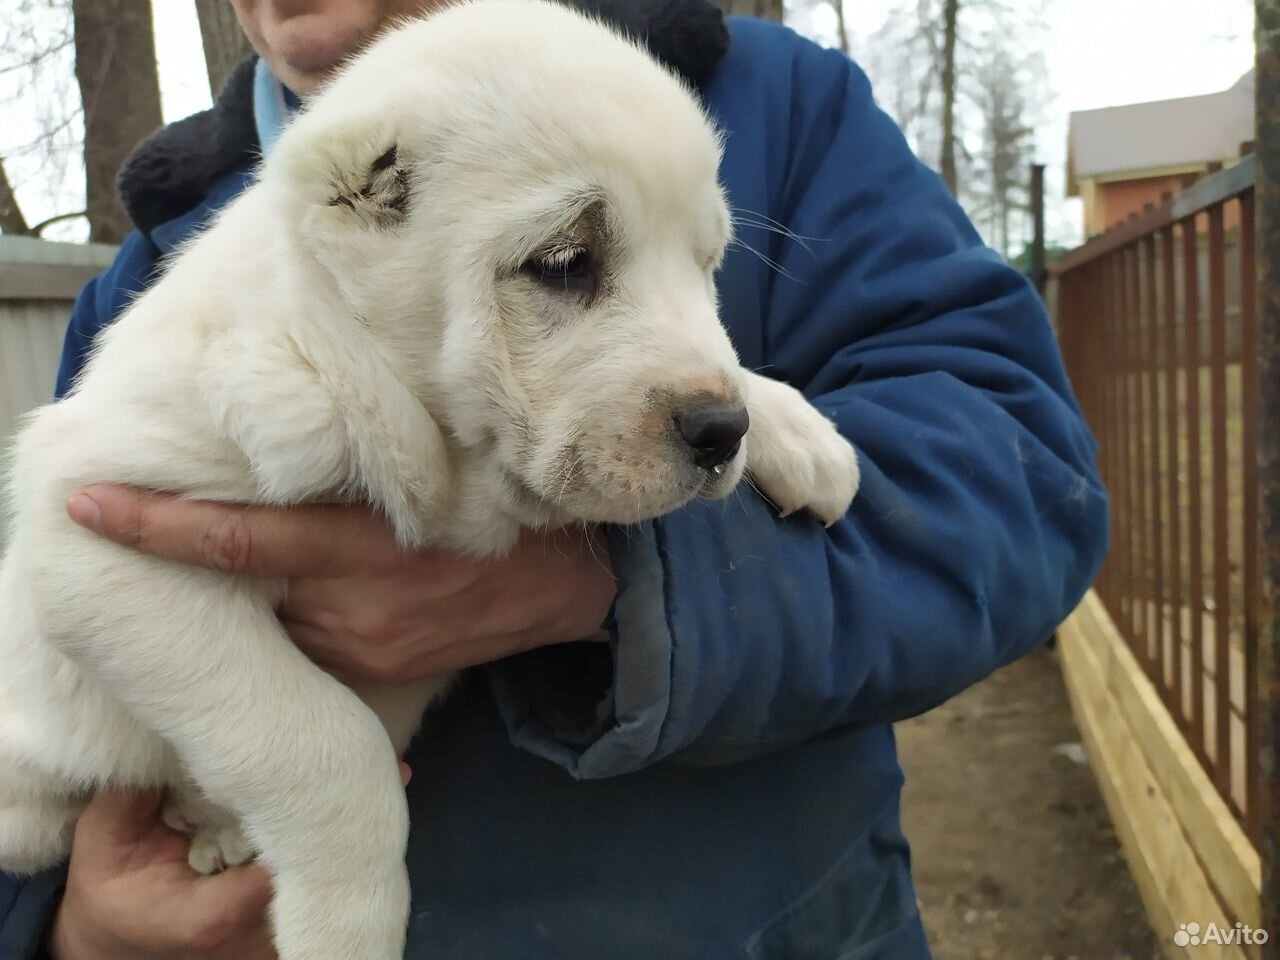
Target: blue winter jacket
{"x":721,"y":781}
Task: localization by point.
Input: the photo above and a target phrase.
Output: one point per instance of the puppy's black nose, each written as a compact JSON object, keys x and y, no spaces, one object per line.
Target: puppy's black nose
{"x":713,"y":432}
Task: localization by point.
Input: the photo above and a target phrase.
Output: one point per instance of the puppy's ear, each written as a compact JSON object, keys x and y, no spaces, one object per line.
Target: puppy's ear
{"x":352,"y":167}
{"x":376,"y":194}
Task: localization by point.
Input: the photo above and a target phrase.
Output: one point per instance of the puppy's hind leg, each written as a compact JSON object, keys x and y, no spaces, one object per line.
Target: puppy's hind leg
{"x":301,"y":762}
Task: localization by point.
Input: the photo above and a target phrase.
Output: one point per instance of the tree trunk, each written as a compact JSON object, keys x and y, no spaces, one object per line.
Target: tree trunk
{"x":764,"y":9}
{"x":842,"y":26}
{"x":11,"y":219}
{"x":225,"y":44}
{"x":116,"y":71}
{"x":951,"y":13}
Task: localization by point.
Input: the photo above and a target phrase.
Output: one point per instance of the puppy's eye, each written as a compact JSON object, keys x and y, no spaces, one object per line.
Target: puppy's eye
{"x":568,"y":269}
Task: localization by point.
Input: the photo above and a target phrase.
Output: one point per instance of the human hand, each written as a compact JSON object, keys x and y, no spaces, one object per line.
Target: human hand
{"x":131,"y":894}
{"x":359,"y":606}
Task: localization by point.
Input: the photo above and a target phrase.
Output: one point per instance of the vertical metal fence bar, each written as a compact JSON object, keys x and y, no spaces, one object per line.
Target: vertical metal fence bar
{"x":1105,"y":423}
{"x":1124,"y":447}
{"x":1143,"y":374}
{"x":1191,"y":369}
{"x":1137,"y":461}
{"x":1137,"y":420}
{"x":1114,"y":369}
{"x":1110,"y":367}
{"x":1151,"y":429}
{"x":1249,"y":518}
{"x":1137,"y":425}
{"x":1173,"y":468}
{"x":1218,"y":477}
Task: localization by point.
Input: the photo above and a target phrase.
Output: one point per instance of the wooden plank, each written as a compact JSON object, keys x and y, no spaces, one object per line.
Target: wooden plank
{"x":1172,"y":886}
{"x":1143,"y":821}
{"x":1190,"y":857}
{"x":1221,"y":845}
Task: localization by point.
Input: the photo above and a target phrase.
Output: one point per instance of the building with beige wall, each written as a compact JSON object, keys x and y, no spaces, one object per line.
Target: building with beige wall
{"x":1121,"y":158}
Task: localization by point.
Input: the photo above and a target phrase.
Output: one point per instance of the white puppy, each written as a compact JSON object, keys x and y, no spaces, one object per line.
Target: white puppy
{"x":472,"y":286}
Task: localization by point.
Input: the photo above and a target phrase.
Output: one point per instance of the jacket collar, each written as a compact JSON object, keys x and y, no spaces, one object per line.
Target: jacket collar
{"x":173,"y":171}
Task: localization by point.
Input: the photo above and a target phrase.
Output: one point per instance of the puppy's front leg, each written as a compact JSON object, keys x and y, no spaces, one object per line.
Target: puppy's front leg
{"x":305,"y":766}
{"x":795,"y":455}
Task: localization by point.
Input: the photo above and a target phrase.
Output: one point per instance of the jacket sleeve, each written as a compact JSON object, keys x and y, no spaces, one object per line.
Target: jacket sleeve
{"x":27,"y":903}
{"x":980,"y":522}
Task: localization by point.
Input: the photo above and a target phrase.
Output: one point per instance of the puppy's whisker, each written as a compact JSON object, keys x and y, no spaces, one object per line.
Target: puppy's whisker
{"x":763,"y":496}
{"x":738,"y":213}
{"x":750,"y":218}
{"x":800,"y":241}
{"x":772,"y":264}
{"x":591,"y":549}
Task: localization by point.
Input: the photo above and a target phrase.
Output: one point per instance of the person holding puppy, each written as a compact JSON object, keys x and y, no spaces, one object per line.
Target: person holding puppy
{"x":677,"y":742}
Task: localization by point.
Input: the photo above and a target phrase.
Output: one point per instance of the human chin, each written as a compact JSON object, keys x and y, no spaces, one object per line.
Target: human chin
{"x":312,"y":44}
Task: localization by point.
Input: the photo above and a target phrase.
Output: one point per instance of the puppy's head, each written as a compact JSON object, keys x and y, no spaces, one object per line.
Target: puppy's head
{"x":526,"y":208}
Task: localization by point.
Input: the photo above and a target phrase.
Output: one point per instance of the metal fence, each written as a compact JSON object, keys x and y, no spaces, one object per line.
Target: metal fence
{"x":1158,"y":324}
{"x":39,"y":281}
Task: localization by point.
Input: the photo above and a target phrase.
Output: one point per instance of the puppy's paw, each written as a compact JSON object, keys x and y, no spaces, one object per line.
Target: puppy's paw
{"x":213,"y":849}
{"x":217,"y":842}
{"x":795,"y":455}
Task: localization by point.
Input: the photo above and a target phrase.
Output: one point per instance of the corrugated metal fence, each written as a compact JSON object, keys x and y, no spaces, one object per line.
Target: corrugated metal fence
{"x":39,"y":281}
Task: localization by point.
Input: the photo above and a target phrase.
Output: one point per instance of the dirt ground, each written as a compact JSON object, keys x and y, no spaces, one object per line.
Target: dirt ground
{"x":1014,"y":856}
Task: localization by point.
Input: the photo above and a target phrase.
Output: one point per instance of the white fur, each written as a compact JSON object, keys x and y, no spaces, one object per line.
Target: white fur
{"x":384,"y":347}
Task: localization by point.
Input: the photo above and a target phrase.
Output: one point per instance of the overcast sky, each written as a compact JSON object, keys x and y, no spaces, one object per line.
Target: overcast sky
{"x":1101,"y":53}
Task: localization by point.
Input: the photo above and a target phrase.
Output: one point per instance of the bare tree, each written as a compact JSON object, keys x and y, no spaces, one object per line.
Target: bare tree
{"x":40,"y":139}
{"x":842,"y":25}
{"x":957,"y":76}
{"x":765,"y":9}
{"x":999,"y":187}
{"x":11,"y":218}
{"x":947,"y":74}
{"x":904,"y":58}
{"x":116,"y":71}
{"x":225,"y":44}
{"x":915,"y":63}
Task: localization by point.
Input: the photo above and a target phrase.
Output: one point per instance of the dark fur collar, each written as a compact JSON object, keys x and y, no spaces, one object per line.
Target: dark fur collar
{"x":171,"y":171}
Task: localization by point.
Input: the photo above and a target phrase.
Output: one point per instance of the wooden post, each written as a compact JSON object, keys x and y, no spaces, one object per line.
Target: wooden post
{"x":1038,"y":274}
{"x":1267,"y":211}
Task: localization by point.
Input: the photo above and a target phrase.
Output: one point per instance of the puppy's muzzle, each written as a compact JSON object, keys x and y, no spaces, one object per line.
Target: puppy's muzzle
{"x":712,"y":432}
